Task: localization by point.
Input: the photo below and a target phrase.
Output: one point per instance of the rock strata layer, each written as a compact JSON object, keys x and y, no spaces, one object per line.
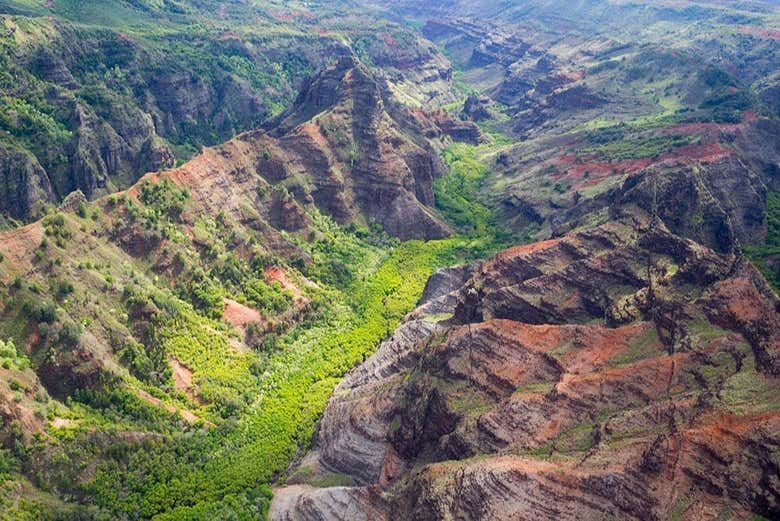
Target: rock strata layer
{"x":621,"y":372}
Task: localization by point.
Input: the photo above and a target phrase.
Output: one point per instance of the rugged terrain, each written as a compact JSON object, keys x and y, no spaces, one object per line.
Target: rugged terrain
{"x":192,"y":312}
{"x":621,"y":372}
{"x":97,"y":94}
{"x":226,"y":272}
{"x":626,"y":366}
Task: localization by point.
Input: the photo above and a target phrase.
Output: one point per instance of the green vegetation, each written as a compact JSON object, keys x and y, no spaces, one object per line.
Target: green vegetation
{"x":640,"y":348}
{"x":10,"y":357}
{"x":726,"y":99}
{"x":457,"y":193}
{"x":212,"y":450}
{"x":767,"y":255}
{"x":578,"y":438}
{"x":163,"y":405}
{"x":154,"y":76}
{"x":460,"y":197}
{"x":280,"y":408}
{"x":747,"y":391}
{"x":617,"y":147}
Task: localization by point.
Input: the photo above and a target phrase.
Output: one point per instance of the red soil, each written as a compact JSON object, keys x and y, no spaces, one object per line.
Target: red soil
{"x":277,"y":274}
{"x":597,"y":171}
{"x":17,"y":246}
{"x":239,"y":315}
{"x":182,"y":380}
{"x":600,"y":344}
{"x":761,"y":32}
{"x":650,"y":376}
{"x":525,"y":249}
{"x":700,"y":153}
{"x":151,"y":400}
{"x":387,"y":39}
{"x":737,"y":302}
{"x":313,"y":133}
{"x":695,"y":129}
{"x":282,"y":16}
{"x":573,"y":172}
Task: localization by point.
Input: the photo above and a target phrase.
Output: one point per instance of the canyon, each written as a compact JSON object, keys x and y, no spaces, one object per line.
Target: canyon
{"x":429,"y":260}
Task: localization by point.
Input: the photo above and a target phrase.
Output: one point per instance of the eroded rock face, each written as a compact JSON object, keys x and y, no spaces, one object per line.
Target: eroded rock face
{"x":116,"y":127}
{"x":713,"y":192}
{"x":360,"y":155}
{"x":345,"y":148}
{"x":298,"y":503}
{"x":617,"y":372}
{"x":355,"y":442}
{"x":477,"y":108}
{"x":23,"y":183}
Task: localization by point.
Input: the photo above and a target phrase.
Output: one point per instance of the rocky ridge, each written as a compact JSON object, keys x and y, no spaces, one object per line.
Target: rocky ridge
{"x":623,"y":371}
{"x":94,"y":106}
{"x":345,"y":149}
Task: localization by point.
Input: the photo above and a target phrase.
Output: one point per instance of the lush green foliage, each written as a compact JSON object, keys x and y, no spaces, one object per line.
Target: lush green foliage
{"x":767,"y":256}
{"x":254,"y":409}
{"x":617,"y":147}
{"x":192,"y":475}
{"x":457,"y":193}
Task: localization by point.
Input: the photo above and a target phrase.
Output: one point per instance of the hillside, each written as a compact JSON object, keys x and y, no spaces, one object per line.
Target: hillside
{"x":193,"y":312}
{"x":352,"y":260}
{"x":96,"y":95}
{"x":523,"y":388}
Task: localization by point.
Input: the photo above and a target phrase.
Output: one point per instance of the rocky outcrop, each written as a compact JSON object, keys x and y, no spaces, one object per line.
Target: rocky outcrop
{"x":713,"y":191}
{"x":105,"y":154}
{"x":615,"y":372}
{"x":477,"y":108}
{"x":339,"y":148}
{"x":357,"y":445}
{"x":119,"y":104}
{"x":299,"y":503}
{"x":342,"y":138}
{"x":24,"y":184}
{"x":556,"y":104}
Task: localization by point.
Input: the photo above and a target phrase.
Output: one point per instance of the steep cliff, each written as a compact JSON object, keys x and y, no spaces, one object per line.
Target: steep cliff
{"x":169,"y":308}
{"x":343,"y":148}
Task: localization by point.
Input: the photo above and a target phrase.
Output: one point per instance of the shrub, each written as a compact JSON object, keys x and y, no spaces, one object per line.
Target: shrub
{"x":40,"y":310}
{"x":70,"y":334}
{"x":271,"y":299}
{"x":63,"y":288}
{"x":206,"y":297}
